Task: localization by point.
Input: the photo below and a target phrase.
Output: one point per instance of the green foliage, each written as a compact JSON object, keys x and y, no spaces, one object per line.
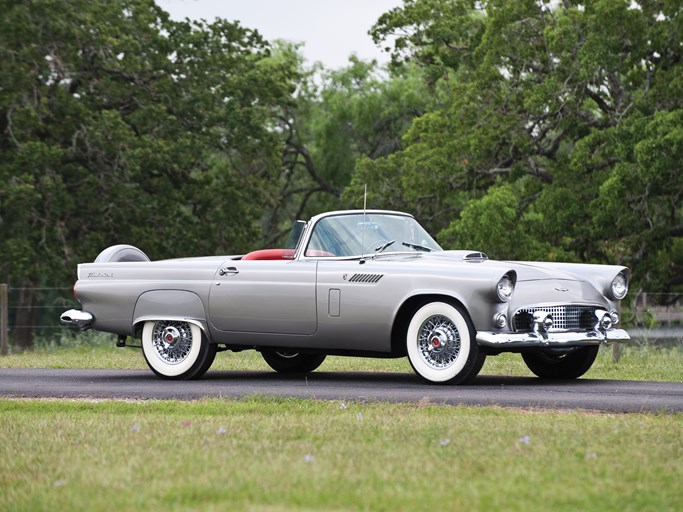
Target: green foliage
{"x":340,"y":117}
{"x":436,"y":34}
{"x":491,"y":221}
{"x":558,"y":133}
{"x":124,"y":126}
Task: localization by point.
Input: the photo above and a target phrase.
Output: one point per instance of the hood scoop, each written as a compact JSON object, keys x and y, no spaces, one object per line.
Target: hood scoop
{"x":475,"y":256}
{"x":470,"y":256}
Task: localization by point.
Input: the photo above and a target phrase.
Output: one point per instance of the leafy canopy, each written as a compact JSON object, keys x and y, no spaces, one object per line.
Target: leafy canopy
{"x":558,"y":135}
{"x":123,"y":126}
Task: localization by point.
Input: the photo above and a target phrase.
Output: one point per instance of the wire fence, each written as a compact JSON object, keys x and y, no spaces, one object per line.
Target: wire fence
{"x":647,"y":316}
{"x":32,"y":313}
{"x":47,"y":303}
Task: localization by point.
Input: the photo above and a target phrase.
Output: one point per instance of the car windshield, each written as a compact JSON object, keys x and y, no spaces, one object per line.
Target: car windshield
{"x":357,"y":234}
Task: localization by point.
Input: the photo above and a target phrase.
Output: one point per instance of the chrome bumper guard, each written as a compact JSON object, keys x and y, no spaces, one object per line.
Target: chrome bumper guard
{"x":77,"y":317}
{"x":550,"y":339}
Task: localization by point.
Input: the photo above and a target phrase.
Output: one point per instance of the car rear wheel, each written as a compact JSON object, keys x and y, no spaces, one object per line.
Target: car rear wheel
{"x":292,"y":362}
{"x":572,"y":365}
{"x":176,"y":350}
{"x":441,"y":344}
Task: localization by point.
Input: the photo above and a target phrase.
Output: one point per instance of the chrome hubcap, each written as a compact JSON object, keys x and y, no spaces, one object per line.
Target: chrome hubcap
{"x":171,"y":335}
{"x":172,"y":341}
{"x":439,"y":342}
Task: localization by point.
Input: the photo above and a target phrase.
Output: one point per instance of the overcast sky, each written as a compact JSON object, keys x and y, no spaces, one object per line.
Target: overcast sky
{"x":331,"y":30}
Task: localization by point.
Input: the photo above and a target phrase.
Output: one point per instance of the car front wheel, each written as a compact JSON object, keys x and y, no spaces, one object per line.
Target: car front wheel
{"x":441,"y":344}
{"x":572,"y":365}
{"x":176,"y":350}
{"x":292,"y":362}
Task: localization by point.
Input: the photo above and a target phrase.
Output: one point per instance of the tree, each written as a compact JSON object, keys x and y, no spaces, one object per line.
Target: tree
{"x":338,"y":117}
{"x":560,"y":137}
{"x":120,"y":125}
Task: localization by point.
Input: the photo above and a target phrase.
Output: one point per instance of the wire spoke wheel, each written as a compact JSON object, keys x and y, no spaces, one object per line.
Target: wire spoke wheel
{"x":439,"y":342}
{"x":172,"y":341}
{"x":441,"y":346}
{"x":176,"y":349}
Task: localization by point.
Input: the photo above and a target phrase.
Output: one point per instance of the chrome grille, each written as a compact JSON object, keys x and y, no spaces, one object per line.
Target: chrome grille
{"x":565,"y":317}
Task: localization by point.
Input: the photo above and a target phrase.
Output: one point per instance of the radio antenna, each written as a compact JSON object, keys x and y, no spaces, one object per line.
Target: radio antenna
{"x":362,"y":236}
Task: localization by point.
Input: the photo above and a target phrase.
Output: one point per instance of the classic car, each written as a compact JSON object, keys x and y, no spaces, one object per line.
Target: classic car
{"x":354,"y":283}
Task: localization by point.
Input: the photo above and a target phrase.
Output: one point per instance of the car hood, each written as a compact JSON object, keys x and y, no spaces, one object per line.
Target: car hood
{"x":553,"y":274}
{"x":525,"y":270}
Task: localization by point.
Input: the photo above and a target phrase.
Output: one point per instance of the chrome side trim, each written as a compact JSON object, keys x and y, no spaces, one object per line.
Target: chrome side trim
{"x":529,"y":339}
{"x":77,"y":317}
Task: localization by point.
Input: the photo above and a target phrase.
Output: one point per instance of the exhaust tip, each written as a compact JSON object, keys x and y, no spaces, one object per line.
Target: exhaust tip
{"x":77,"y":317}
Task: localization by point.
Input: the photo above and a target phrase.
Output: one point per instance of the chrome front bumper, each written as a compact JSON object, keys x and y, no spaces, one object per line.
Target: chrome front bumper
{"x":77,"y":317}
{"x":550,"y":339}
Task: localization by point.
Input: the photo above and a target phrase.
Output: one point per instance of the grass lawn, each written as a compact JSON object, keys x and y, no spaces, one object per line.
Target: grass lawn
{"x":268,"y":454}
{"x":273,"y":455}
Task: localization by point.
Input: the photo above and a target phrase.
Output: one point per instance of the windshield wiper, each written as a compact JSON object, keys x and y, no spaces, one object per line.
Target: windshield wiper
{"x":384,"y":246}
{"x":417,"y":247}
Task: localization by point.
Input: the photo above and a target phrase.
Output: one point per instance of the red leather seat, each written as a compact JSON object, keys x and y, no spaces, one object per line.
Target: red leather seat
{"x":282,"y":254}
{"x":269,"y":254}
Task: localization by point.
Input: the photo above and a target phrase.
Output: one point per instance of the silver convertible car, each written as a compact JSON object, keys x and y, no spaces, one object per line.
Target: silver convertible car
{"x":354,"y":283}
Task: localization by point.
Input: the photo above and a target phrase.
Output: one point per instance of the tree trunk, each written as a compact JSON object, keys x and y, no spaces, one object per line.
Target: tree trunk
{"x":24,"y":318}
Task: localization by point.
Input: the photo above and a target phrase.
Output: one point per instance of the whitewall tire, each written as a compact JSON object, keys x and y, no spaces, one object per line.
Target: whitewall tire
{"x":176,"y":350}
{"x":441,"y":344}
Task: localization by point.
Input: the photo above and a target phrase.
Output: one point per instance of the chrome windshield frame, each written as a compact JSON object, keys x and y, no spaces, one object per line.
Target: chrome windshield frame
{"x":310,"y":229}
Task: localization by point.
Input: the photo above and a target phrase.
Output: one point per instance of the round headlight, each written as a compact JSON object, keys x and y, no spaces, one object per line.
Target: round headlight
{"x":619,"y":286}
{"x":505,"y":288}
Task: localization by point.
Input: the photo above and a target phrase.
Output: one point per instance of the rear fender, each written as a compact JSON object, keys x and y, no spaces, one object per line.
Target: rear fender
{"x":179,"y":305}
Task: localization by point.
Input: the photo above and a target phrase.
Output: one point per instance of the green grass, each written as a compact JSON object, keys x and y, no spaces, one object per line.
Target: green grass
{"x":269,"y":454}
{"x":276,"y":455}
{"x":648,"y":362}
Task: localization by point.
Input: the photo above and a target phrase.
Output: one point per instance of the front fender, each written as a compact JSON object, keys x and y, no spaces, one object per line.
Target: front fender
{"x":179,"y":305}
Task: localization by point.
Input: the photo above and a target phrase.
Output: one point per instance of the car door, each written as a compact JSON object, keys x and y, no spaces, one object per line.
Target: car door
{"x":356,"y":304}
{"x":276,"y":297}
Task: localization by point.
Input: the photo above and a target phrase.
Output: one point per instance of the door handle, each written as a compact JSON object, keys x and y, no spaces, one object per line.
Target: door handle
{"x":228,"y":270}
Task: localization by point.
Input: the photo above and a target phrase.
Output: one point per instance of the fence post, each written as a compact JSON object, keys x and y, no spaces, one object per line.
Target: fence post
{"x":4,"y":319}
{"x":616,"y":347}
{"x":616,"y":353}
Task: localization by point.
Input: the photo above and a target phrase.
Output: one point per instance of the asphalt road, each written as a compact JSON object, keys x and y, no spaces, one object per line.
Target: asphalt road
{"x":598,"y":395}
